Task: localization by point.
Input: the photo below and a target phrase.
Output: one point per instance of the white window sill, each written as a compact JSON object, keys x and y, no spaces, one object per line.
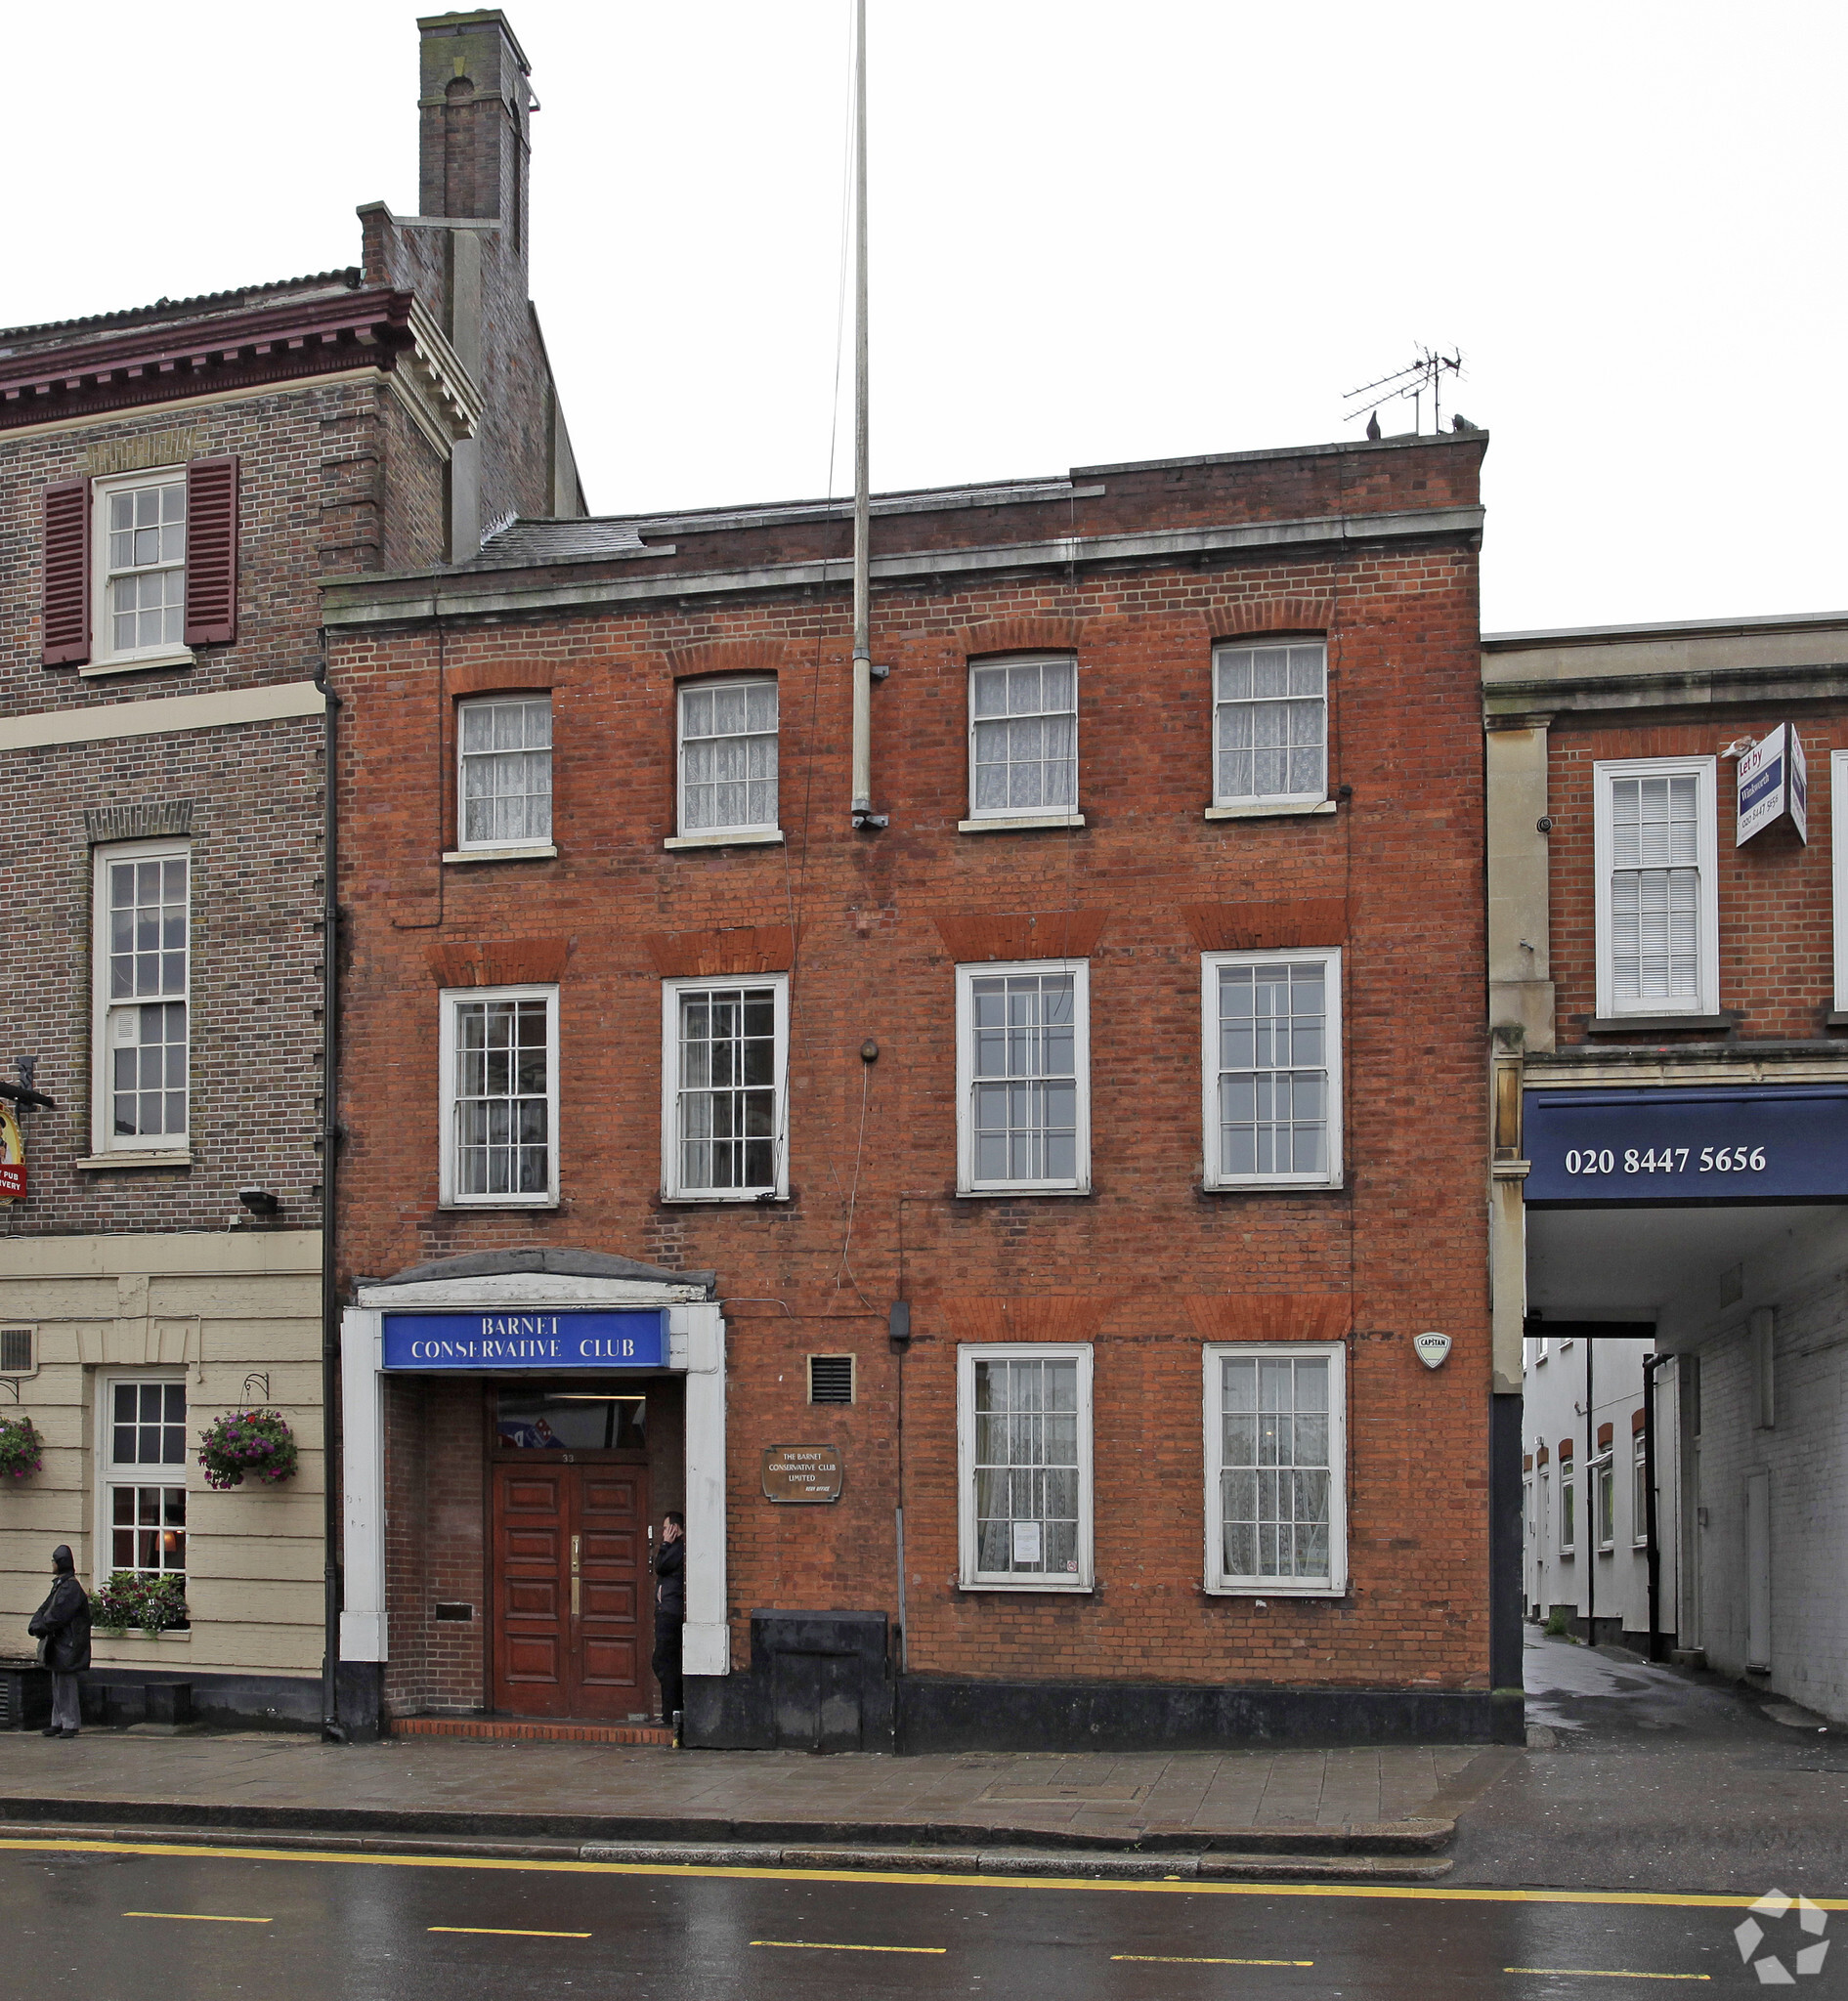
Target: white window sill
{"x":1019,"y":823}
{"x":492,"y":1202}
{"x":1268,"y":809}
{"x":539,"y":851}
{"x":728,"y":837}
{"x":134,"y":1637}
{"x":1038,"y":1585}
{"x":1026,"y":1189}
{"x":182,"y":657}
{"x":1279,"y":1184}
{"x":1321,"y":1588}
{"x":731,"y":1195}
{"x":147,"y":1159}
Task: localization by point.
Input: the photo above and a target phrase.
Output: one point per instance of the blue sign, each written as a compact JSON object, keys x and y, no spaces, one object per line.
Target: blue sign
{"x":1696,"y":1147}
{"x":636,"y":1339}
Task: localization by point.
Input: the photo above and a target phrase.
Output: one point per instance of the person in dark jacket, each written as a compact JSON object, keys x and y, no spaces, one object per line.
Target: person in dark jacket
{"x":62,"y":1628}
{"x":670,"y":1610}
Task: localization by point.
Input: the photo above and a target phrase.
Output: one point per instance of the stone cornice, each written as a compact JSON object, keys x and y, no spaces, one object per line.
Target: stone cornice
{"x":163,"y":362}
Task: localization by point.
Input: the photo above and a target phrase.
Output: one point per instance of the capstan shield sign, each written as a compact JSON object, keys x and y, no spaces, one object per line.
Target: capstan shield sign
{"x":636,"y":1338}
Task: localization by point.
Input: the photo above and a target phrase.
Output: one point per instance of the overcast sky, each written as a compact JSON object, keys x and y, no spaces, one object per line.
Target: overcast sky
{"x":1101,"y":233}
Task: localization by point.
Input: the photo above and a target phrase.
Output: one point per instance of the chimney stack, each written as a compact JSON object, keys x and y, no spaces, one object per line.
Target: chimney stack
{"x":474,"y":105}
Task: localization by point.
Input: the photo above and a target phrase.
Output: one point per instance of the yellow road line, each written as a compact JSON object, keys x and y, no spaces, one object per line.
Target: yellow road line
{"x":197,"y":1917}
{"x":1405,"y":1893}
{"x":1186,"y":1959}
{"x":821,"y":1945}
{"x":1600,"y":1972}
{"x":503,"y":1932}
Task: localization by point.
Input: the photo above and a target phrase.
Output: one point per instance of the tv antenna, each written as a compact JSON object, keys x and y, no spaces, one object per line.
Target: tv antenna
{"x":1421,"y":379}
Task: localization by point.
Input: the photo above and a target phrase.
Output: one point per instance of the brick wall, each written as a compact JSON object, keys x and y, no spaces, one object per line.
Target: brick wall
{"x":1776,"y":937}
{"x":1148,"y":1261}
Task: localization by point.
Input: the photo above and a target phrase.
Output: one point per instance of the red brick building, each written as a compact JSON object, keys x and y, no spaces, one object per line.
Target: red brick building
{"x":1003,"y":1231}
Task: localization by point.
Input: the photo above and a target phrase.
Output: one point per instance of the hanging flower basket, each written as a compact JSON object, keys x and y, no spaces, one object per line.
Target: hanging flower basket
{"x":22,"y":1449}
{"x":248,"y":1444}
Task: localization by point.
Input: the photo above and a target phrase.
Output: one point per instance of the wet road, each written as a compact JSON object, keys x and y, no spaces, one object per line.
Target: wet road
{"x":136,"y":1926}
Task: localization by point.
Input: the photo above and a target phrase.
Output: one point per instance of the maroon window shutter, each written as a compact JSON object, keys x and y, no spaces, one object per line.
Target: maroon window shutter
{"x":66,"y":574}
{"x":211,"y":552}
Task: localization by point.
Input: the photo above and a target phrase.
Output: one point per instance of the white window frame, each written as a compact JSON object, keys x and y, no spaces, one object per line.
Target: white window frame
{"x":1211,"y":963}
{"x":969,"y":1577}
{"x":533,"y":844}
{"x":1838,"y":843}
{"x":110,"y":1475}
{"x":742,"y":830}
{"x":1639,"y":1491}
{"x":1708,"y":958}
{"x":448,"y":1000}
{"x":989,"y":819}
{"x":672,"y":1188}
{"x":104,"y":653}
{"x":1267,"y":802}
{"x":966,"y":977}
{"x":1217,"y":1581}
{"x":104,"y":1139}
{"x":1568,"y":1509}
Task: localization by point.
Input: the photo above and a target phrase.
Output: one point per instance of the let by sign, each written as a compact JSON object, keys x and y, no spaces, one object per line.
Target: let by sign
{"x":1774,"y":785}
{"x":802,"y":1473}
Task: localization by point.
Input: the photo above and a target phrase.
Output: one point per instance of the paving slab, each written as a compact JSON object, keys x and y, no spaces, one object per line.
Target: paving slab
{"x":460,"y":1787}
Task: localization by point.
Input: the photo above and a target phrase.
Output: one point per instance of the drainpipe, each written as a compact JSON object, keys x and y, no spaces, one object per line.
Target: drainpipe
{"x":330,"y":1728}
{"x":1651,"y":1555}
{"x":1588,"y":1526}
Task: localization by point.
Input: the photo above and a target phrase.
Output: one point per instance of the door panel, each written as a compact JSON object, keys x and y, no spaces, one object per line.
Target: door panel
{"x":570,"y":1591}
{"x":532,"y":1628}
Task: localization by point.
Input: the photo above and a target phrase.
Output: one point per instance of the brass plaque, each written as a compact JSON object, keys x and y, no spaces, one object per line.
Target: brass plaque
{"x":802,"y":1473}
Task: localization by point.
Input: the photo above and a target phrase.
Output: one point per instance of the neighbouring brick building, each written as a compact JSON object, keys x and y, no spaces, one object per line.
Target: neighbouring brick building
{"x":1668,"y":941}
{"x":175,"y":480}
{"x":1003,"y":1232}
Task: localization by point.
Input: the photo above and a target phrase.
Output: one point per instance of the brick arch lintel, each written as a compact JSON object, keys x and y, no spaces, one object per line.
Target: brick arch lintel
{"x":1041,"y":1317}
{"x":1023,"y":634}
{"x":1271,"y":1316}
{"x":499,"y":677}
{"x":1234,"y":618}
{"x":498,"y":962}
{"x":726,"y":657}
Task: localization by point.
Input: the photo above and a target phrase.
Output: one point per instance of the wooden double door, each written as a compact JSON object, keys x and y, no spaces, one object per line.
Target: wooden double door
{"x":574,"y":1626}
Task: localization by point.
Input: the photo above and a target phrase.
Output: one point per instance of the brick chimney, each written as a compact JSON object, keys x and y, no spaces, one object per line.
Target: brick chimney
{"x":474,"y":102}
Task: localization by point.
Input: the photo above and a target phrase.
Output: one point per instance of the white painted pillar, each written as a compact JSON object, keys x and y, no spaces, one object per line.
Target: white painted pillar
{"x":363,"y":1461}
{"x":706,"y":1641}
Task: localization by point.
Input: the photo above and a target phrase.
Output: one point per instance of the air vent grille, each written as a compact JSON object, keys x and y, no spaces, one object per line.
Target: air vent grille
{"x":16,"y":1351}
{"x":831,"y":1379}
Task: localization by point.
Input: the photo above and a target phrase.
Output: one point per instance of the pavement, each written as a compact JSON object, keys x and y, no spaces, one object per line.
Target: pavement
{"x":1634,"y":1779}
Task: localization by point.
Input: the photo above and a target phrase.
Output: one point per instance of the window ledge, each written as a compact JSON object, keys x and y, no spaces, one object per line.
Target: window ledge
{"x":183,"y":657}
{"x":726,"y":1198}
{"x":150,"y":1159}
{"x":1268,"y":809}
{"x":1037,"y":1585}
{"x":1275,"y":1184}
{"x":497,"y":1202}
{"x":1019,"y":823}
{"x":1655,"y":1023}
{"x":133,"y":1637}
{"x":539,"y":852}
{"x":1275,"y":1590}
{"x":1836,"y":1017}
{"x":1034,"y":1188}
{"x":727,"y":837}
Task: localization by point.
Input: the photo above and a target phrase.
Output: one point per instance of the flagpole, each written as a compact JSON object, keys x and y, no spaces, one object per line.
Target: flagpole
{"x":862,"y":504}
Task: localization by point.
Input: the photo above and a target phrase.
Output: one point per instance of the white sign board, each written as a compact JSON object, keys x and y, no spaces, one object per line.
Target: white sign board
{"x":1773,"y":786}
